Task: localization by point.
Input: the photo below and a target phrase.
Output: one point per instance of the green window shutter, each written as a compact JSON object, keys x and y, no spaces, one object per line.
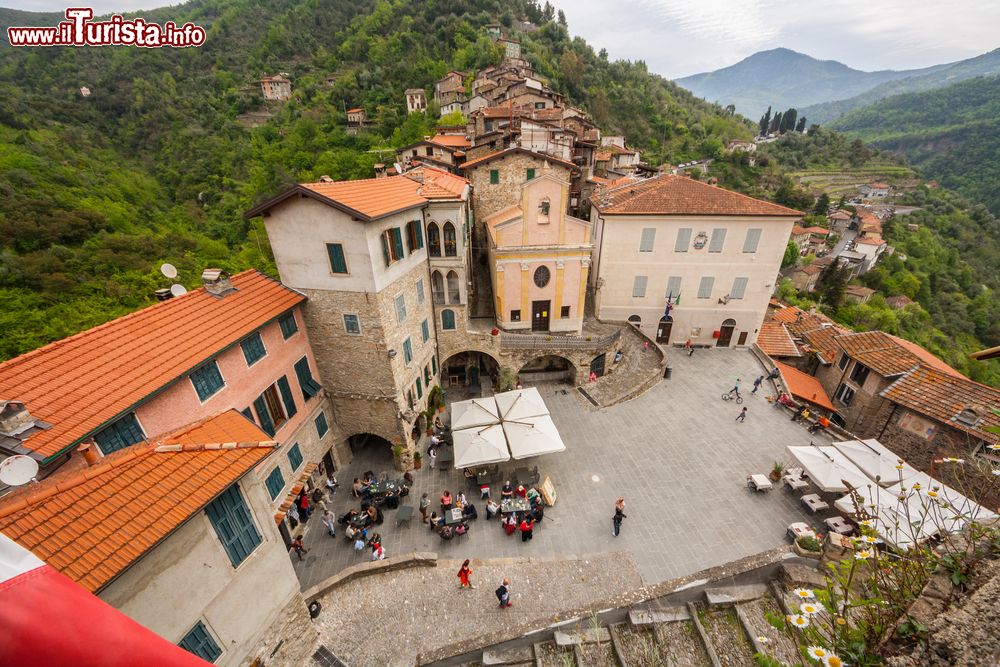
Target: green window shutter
{"x":288,"y":325}
{"x":531,"y":173}
{"x":199,"y":642}
{"x":447,"y":319}
{"x":407,"y":351}
{"x":124,"y":432}
{"x":321,"y":426}
{"x":420,"y":389}
{"x":397,"y":242}
{"x":385,"y":250}
{"x":307,"y":383}
{"x":275,"y":482}
{"x":337,"y":262}
{"x":248,"y":413}
{"x":418,"y":227}
{"x":286,"y":396}
{"x":494,"y":176}
{"x":263,"y":415}
{"x":207,"y":380}
{"x":434,"y":364}
{"x":295,"y":457}
{"x":233,"y":524}
{"x":253,"y":349}
{"x":425,"y":330}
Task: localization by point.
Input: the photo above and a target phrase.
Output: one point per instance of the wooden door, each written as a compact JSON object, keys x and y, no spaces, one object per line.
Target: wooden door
{"x":726,"y":333}
{"x":540,"y":315}
{"x":742,"y":340}
{"x":663,"y":330}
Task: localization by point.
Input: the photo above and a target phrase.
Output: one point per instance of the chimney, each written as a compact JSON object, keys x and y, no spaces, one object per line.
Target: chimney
{"x":89,"y":455}
{"x":163,"y":294}
{"x":325,"y":179}
{"x":14,"y":418}
{"x":216,"y":282}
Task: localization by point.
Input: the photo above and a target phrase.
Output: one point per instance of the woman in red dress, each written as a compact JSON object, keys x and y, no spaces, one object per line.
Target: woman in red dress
{"x":463,"y":575}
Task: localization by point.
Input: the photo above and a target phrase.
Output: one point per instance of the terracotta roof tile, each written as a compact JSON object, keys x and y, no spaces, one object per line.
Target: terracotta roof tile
{"x":437,"y":183}
{"x":804,"y":386}
{"x":515,"y":149}
{"x":97,"y":523}
{"x":775,"y":340}
{"x":817,"y":330}
{"x":450,"y":140}
{"x":79,"y":383}
{"x":371,"y":197}
{"x":888,"y":355}
{"x":679,"y":195}
{"x":942,"y":397}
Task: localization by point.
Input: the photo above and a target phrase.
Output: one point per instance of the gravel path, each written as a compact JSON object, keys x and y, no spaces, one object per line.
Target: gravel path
{"x":388,"y":619}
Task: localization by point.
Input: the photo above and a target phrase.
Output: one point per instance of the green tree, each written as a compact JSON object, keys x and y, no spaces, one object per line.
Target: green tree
{"x":791,"y":255}
{"x":765,"y":122}
{"x":822,"y":204}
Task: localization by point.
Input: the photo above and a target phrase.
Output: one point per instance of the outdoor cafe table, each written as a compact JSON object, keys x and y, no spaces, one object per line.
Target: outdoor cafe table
{"x":381,"y":488}
{"x":358,"y":521}
{"x":445,"y":455}
{"x":508,"y":505}
{"x":453,"y":516}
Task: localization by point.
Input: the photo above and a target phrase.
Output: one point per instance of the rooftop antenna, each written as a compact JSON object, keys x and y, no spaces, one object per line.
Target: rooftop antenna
{"x":18,"y":470}
{"x":178,"y":290}
{"x":170,"y":271}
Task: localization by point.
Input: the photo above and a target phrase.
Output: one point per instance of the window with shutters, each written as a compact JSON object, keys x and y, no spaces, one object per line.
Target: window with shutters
{"x":752,"y":240}
{"x":683,"y":241}
{"x":420,"y":291}
{"x":494,"y":176}
{"x":338,"y":263}
{"x":233,"y":524}
{"x":673,"y":287}
{"x":845,"y":394}
{"x":705,"y":287}
{"x":450,"y":242}
{"x":275,"y":482}
{"x":425,"y":331}
{"x":392,"y":245}
{"x":530,"y":174}
{"x":207,"y":380}
{"x":434,"y":364}
{"x":718,"y":240}
{"x":322,"y":428}
{"x":454,"y":288}
{"x":414,"y":235}
{"x":407,"y":351}
{"x":288,"y":325}
{"x":648,"y":237}
{"x":437,"y":288}
{"x":295,"y":457}
{"x":307,"y":383}
{"x":739,"y":288}
{"x":433,"y":239}
{"x":639,"y":286}
{"x":447,"y":320}
{"x":122,"y":433}
{"x":248,"y":413}
{"x":420,"y":389}
{"x":199,"y":642}
{"x":285,"y":389}
{"x":253,"y":349}
{"x":400,"y":301}
{"x":427,"y":374}
{"x":842,"y":364}
{"x":515,"y":315}
{"x":352,"y":324}
{"x":270,"y":411}
{"x":859,"y":373}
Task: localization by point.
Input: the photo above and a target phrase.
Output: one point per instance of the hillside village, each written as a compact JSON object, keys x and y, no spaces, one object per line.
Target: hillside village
{"x":523,"y":248}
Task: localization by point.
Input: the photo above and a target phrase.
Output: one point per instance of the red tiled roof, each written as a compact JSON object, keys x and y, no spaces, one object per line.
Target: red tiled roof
{"x":804,"y":386}
{"x":839,"y":215}
{"x":942,"y":397}
{"x":775,"y":340}
{"x":81,"y":383}
{"x":822,"y":231}
{"x":925,"y":356}
{"x":450,"y":140}
{"x":437,"y":183}
{"x":867,"y":240}
{"x":817,"y":330}
{"x":859,"y":290}
{"x":355,"y":110}
{"x":679,"y":195}
{"x":888,"y":355}
{"x":366,"y":199}
{"x":516,"y":149}
{"x":799,"y":231}
{"x":94,"y":525}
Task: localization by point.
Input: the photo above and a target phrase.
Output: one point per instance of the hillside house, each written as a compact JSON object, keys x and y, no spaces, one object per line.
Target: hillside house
{"x":775,"y":340}
{"x":539,"y":258}
{"x":357,"y":118}
{"x":511,"y":49}
{"x":708,"y":255}
{"x":178,"y":534}
{"x":445,"y":151}
{"x":814,"y":335}
{"x":875,"y":190}
{"x":898,"y":302}
{"x":276,"y":88}
{"x":740,"y":146}
{"x":497,"y":178}
{"x":804,"y":278}
{"x":415,"y":100}
{"x":858,"y":294}
{"x":872,"y":248}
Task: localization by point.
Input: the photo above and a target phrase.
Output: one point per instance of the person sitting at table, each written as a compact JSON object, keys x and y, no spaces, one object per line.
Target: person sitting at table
{"x":461,"y":529}
{"x":356,"y":488}
{"x":506,"y":491}
{"x":375,"y":539}
{"x":438,"y":424}
{"x":372,"y":513}
{"x":534,"y":497}
{"x":537,"y":513}
{"x":470,"y":475}
{"x":347,"y":518}
{"x":527,"y":528}
{"x":492,"y":509}
{"x":469,"y":512}
{"x":434,"y":521}
{"x":460,"y":500}
{"x":446,"y":533}
{"x":370,"y":477}
{"x":351,"y":533}
{"x":407,"y":480}
{"x":446,"y":501}
{"x":391,"y":500}
{"x":520,"y":491}
{"x":510,"y":524}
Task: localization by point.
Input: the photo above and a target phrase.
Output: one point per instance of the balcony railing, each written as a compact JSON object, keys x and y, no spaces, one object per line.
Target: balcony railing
{"x":518,"y":341}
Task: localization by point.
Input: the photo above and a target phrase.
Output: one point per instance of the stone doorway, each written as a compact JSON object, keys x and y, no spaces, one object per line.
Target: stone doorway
{"x":663,"y":330}
{"x":548,"y":368}
{"x":726,"y":333}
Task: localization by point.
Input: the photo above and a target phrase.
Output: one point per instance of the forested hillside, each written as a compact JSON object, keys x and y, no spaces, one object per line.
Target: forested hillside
{"x":153,"y":166}
{"x":952,"y":134}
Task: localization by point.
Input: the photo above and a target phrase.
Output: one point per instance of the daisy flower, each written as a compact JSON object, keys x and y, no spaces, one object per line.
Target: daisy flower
{"x":763,"y":640}
{"x":932,"y":494}
{"x":866,"y":522}
{"x":871,"y":539}
{"x":864,"y":554}
{"x":993,"y":447}
{"x":804,"y":593}
{"x":817,"y":652}
{"x":916,"y":486}
{"x":952,"y":460}
{"x":832,"y":660}
{"x":798,"y":621}
{"x":809,"y":609}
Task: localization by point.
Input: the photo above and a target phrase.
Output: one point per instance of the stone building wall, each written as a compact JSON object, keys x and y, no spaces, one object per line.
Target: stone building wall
{"x":488,"y":198}
{"x":289,"y":642}
{"x":862,"y":415}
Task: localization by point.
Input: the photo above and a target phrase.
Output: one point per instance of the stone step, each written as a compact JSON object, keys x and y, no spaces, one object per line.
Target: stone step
{"x":795,"y":575}
{"x":705,"y":641}
{"x":522,"y":655}
{"x":651,"y":616}
{"x":582,"y":637}
{"x":734,"y":594}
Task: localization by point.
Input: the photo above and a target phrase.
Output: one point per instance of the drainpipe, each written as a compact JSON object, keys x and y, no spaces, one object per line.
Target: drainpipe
{"x":895,"y":407}
{"x":89,"y":455}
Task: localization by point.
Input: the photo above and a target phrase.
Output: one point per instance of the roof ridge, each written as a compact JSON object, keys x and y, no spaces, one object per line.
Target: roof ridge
{"x":170,"y":448}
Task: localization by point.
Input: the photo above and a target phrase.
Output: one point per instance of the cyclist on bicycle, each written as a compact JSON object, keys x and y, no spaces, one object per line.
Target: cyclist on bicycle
{"x":735,"y":390}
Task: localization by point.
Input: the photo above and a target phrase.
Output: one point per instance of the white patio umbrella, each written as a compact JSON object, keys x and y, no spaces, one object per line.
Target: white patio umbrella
{"x":513,"y":405}
{"x":533,"y":436}
{"x":829,"y":469}
{"x":875,"y":460}
{"x":474,"y":412}
{"x":480,"y":446}
{"x":901,"y":523}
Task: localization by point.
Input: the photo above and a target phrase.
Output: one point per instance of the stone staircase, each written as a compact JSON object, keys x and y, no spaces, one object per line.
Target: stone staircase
{"x":717,"y":626}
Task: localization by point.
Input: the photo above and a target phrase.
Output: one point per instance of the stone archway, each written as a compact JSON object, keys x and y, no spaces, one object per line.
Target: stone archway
{"x":371,"y":451}
{"x":465,"y":374}
{"x":547,"y":368}
{"x":726,"y":333}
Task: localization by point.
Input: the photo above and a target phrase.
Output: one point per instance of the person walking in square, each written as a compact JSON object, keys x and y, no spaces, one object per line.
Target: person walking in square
{"x":503,"y":594}
{"x":330,"y":521}
{"x":616,"y":520}
{"x":742,"y":416}
{"x":431,"y":456}
{"x":463,"y":575}
{"x":425,"y":503}
{"x":299,"y":547}
{"x":757,"y":383}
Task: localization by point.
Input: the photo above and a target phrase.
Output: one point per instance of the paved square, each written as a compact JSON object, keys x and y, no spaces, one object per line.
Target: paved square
{"x":676,"y":453}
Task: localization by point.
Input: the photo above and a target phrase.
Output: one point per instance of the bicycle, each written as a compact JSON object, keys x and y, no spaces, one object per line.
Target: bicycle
{"x":729,"y":396}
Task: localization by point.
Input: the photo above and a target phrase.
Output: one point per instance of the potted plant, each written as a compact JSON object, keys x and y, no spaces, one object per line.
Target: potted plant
{"x":776,"y":471}
{"x":417,"y":460}
{"x":808,"y":547}
{"x":429,"y":418}
{"x":398,"y":450}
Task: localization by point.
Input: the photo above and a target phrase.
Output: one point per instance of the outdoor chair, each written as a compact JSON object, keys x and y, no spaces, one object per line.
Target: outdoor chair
{"x":794,"y":483}
{"x":404,"y":515}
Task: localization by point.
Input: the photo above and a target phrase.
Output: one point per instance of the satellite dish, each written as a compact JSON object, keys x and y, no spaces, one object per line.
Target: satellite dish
{"x":18,"y":470}
{"x":169,"y":270}
{"x":177,"y":289}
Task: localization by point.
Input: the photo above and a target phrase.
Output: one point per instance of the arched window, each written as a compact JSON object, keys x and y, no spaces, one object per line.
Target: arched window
{"x":635,"y":319}
{"x":437,"y":288}
{"x":448,"y":319}
{"x":433,"y":239}
{"x":542,"y":276}
{"x":450,"y":245}
{"x":454,"y":291}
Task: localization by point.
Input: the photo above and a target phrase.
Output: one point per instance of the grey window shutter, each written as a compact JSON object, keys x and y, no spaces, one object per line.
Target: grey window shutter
{"x":718,"y":240}
{"x":673,"y":287}
{"x":739,"y":288}
{"x":648,"y":238}
{"x":752,"y":240}
{"x":639,"y":286}
{"x":705,"y":287}
{"x":683,"y":240}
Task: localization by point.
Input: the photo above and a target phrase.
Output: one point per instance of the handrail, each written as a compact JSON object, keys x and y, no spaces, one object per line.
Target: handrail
{"x":519,"y":341}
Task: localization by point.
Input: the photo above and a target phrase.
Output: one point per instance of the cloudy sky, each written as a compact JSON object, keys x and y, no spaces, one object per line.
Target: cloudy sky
{"x":681,"y":37}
